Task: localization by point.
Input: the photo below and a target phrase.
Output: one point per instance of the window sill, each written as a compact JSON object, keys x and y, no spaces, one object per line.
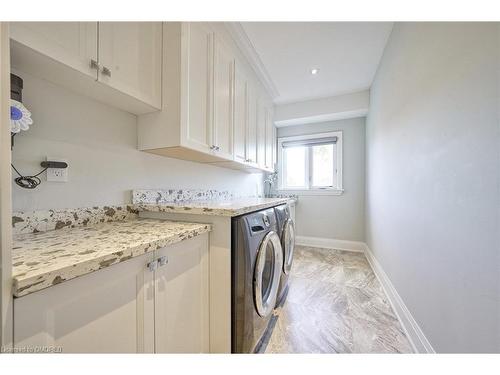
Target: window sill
{"x":306,"y":192}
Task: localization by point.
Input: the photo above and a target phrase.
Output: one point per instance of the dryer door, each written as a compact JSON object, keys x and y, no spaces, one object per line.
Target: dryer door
{"x":267,"y":274}
{"x":288,"y":241}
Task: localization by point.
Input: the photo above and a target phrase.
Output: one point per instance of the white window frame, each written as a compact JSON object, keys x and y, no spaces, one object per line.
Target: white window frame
{"x":337,"y":187}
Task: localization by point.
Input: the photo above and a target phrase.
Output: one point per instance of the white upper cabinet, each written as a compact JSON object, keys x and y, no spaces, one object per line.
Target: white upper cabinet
{"x":223,"y":100}
{"x":125,"y":57}
{"x":130,"y":58}
{"x":198,"y":60}
{"x":261,"y":132}
{"x":269,"y":164}
{"x":71,"y":43}
{"x":240,"y":114}
{"x":274,"y":140}
{"x":252,"y":125}
{"x":213,"y":108}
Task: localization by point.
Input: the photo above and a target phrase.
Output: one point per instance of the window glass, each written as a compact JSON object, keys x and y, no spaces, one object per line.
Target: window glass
{"x":311,"y":162}
{"x":295,"y":174}
{"x":322,"y":165}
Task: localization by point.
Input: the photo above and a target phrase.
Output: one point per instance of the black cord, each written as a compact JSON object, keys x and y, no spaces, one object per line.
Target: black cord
{"x":27,"y":182}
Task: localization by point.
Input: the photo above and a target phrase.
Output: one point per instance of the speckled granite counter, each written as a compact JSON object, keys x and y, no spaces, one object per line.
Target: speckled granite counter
{"x":234,"y":207}
{"x":44,"y":259}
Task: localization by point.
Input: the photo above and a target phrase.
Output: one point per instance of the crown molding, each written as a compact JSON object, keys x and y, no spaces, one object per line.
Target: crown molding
{"x":246,"y":46}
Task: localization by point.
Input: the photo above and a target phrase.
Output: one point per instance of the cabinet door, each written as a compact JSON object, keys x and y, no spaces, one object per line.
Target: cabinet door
{"x":181,"y":304}
{"x":107,"y":311}
{"x":196,"y":101}
{"x":240,"y":114}
{"x":275,"y":144}
{"x":71,"y":43}
{"x":223,"y":100}
{"x":130,"y":58}
{"x":261,"y":133}
{"x":269,"y":139}
{"x":252,"y":124}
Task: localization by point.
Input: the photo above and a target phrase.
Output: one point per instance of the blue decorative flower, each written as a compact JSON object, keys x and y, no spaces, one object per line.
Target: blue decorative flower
{"x":20,"y":117}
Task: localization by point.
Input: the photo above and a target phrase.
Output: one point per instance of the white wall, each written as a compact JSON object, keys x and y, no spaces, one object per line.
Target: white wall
{"x":6,"y":316}
{"x":433,"y":177}
{"x":336,"y":217}
{"x":99,"y":143}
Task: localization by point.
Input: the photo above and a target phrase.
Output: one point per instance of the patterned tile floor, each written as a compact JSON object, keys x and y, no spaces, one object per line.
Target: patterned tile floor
{"x":335,"y":305}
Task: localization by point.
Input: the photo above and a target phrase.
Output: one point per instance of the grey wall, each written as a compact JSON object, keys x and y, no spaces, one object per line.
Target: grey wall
{"x":433,"y":176}
{"x":99,"y":143}
{"x":336,"y":217}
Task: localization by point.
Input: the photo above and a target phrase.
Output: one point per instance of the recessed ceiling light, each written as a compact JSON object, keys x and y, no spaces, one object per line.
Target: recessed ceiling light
{"x":314,"y":71}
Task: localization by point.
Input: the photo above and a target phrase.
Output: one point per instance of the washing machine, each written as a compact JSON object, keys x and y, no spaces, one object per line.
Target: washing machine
{"x":286,"y":232}
{"x":257,"y":261}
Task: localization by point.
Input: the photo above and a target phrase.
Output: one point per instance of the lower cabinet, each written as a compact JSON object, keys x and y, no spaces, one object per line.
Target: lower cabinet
{"x":181,"y":302}
{"x":125,"y":308}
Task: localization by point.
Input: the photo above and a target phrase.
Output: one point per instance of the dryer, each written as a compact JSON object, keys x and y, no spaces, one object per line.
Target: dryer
{"x":257,"y":261}
{"x":286,"y":232}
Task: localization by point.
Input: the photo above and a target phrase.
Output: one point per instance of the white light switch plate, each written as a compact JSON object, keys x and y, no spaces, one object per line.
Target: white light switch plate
{"x":57,"y":174}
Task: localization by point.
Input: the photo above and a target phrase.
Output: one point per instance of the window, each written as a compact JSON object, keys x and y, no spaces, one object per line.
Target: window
{"x":311,"y":162}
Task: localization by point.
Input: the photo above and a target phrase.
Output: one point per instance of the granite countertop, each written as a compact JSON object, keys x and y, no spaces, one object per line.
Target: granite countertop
{"x":41,"y":260}
{"x":234,"y":207}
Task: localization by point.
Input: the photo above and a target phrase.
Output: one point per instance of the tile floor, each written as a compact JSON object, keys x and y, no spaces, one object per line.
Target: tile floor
{"x":335,"y":305}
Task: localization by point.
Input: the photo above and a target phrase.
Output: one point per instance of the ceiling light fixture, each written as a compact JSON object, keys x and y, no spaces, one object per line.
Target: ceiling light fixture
{"x":314,"y":71}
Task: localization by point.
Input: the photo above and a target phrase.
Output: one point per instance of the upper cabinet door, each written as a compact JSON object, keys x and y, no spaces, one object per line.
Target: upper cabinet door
{"x":130,"y":59}
{"x":275,"y":145}
{"x":261,"y":133}
{"x":197,"y":54}
{"x":71,"y":43}
{"x":240,"y":114}
{"x":181,"y":298}
{"x":252,"y":124}
{"x":269,"y":139}
{"x":223,"y":100}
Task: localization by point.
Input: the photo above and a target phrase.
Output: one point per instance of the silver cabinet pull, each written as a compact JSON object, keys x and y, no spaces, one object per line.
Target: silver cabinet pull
{"x":162,"y":261}
{"x":153,"y":265}
{"x":106,"y":71}
{"x":94,"y":64}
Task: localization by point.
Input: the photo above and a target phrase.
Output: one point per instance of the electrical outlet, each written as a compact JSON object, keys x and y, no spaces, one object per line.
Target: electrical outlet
{"x":57,"y":174}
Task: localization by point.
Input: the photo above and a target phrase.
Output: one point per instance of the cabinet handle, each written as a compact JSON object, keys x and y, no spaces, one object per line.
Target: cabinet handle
{"x":94,"y":64}
{"x":106,"y":71}
{"x":214,"y":148}
{"x":162,"y":261}
{"x":152,"y":266}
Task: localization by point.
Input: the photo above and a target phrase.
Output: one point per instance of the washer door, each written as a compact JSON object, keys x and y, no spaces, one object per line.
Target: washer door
{"x":267,"y":274}
{"x":288,"y":241}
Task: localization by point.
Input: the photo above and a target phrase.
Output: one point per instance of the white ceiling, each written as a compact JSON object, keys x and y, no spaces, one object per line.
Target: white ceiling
{"x":347,"y":55}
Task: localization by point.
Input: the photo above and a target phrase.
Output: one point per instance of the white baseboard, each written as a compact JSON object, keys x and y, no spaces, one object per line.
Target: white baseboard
{"x":330,"y":243}
{"x":413,"y":331}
